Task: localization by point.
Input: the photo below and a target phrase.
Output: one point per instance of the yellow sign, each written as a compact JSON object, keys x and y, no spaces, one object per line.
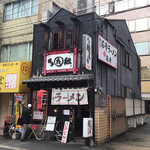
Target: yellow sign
{"x":11,"y":75}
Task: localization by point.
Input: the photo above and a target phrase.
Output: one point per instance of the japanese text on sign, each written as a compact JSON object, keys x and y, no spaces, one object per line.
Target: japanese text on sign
{"x":11,"y":81}
{"x":107,"y":52}
{"x":65,"y":132}
{"x":37,"y":115}
{"x":69,"y":96}
{"x":59,"y":61}
{"x":87,"y":51}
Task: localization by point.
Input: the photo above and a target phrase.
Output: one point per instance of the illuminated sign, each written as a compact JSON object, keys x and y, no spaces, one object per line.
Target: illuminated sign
{"x":107,"y":52}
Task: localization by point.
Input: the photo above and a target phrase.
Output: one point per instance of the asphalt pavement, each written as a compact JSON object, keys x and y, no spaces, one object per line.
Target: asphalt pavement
{"x":137,"y":139}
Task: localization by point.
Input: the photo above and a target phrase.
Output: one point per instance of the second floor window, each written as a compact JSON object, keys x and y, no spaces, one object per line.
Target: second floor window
{"x":20,"y":9}
{"x":61,"y":39}
{"x":19,"y":52}
{"x":126,"y":59}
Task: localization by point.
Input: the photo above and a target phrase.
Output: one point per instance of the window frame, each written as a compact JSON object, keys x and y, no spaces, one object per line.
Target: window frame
{"x":126,"y":59}
{"x":29,"y":51}
{"x":20,"y":9}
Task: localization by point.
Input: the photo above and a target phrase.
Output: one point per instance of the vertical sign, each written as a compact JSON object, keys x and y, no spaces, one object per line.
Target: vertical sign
{"x":87,"y":127}
{"x":87,"y":51}
{"x":65,"y":132}
{"x":107,"y":52}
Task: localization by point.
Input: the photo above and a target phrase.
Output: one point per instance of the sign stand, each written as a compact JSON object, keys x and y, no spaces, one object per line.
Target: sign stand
{"x":50,"y":126}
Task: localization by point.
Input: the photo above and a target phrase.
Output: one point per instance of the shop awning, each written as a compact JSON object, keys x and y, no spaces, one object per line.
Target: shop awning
{"x":59,"y":78}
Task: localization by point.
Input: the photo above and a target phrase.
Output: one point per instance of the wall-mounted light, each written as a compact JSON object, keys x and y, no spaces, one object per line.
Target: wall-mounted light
{"x":55,"y":110}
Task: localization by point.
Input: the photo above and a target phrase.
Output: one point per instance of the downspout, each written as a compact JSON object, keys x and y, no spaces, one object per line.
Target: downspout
{"x":110,"y":119}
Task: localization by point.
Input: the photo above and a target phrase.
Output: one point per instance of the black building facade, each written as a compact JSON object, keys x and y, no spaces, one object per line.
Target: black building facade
{"x":83,"y":53}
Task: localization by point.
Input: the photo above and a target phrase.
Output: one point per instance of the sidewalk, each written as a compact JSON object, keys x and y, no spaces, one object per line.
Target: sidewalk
{"x":137,"y":139}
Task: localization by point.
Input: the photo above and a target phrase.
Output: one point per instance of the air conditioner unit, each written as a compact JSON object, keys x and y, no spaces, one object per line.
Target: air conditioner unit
{"x":111,"y":7}
{"x":81,"y":6}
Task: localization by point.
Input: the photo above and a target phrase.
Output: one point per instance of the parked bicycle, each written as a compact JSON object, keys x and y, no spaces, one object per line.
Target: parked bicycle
{"x":38,"y":130}
{"x":58,"y":134}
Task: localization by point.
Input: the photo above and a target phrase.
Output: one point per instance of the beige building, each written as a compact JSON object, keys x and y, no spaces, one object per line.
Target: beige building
{"x":17,"y":19}
{"x":136,"y":14}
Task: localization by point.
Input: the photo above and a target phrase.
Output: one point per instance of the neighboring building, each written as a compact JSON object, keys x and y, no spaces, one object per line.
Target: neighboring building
{"x":89,"y":69}
{"x":17,"y":19}
{"x":136,"y":14}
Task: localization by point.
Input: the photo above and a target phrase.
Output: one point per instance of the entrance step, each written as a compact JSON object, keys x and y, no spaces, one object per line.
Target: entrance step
{"x":79,"y":140}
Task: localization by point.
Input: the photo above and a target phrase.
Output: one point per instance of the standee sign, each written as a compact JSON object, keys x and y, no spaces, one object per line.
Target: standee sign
{"x":65,"y":132}
{"x":107,"y":52}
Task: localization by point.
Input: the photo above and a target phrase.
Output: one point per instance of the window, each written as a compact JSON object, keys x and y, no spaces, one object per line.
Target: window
{"x":8,"y":13}
{"x":55,"y":8}
{"x":129,"y":93}
{"x":34,"y":9}
{"x":142,"y":24}
{"x":4,"y":54}
{"x":131,"y":26}
{"x":123,"y":57}
{"x":140,"y":3}
{"x":145,"y":73}
{"x":25,"y":8}
{"x":126,"y":59}
{"x":103,"y":9}
{"x":131,"y":4}
{"x":13,"y":53}
{"x":20,"y":9}
{"x":16,"y":11}
{"x":20,"y":52}
{"x":68,"y":39}
{"x":121,"y":5}
{"x":123,"y":91}
{"x":55,"y":41}
{"x":142,"y":48}
{"x":130,"y":62}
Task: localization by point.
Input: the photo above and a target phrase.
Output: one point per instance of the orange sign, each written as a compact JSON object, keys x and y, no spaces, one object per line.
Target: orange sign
{"x":25,"y":68}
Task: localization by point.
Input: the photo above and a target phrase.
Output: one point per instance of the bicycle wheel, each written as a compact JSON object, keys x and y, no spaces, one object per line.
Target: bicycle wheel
{"x":59,"y":135}
{"x":40,"y":135}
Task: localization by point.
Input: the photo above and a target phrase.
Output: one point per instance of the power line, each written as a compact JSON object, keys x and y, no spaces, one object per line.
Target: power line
{"x":26,"y":24}
{"x":39,"y":5}
{"x":42,"y":31}
{"x":25,"y":28}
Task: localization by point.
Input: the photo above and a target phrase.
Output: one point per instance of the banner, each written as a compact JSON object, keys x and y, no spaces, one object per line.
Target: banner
{"x":65,"y":132}
{"x":69,"y":96}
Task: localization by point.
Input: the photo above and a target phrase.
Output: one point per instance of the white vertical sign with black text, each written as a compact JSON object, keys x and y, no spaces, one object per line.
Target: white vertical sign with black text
{"x":87,"y":51}
{"x":107,"y":52}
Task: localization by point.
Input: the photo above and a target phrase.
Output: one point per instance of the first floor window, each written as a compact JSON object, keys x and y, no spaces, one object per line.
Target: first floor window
{"x":19,"y":52}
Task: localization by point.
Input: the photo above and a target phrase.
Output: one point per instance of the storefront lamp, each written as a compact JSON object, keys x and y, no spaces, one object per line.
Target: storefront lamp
{"x":55,"y":110}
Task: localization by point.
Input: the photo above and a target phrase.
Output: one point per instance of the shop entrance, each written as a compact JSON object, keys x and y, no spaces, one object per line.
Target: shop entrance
{"x":80,"y":112}
{"x":73,"y":114}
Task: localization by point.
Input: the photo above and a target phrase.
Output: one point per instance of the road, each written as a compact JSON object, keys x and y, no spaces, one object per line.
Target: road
{"x":137,"y":139}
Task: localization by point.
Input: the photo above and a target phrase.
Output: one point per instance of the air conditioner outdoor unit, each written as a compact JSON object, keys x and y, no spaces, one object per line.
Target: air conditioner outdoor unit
{"x":111,"y":6}
{"x":81,"y":6}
